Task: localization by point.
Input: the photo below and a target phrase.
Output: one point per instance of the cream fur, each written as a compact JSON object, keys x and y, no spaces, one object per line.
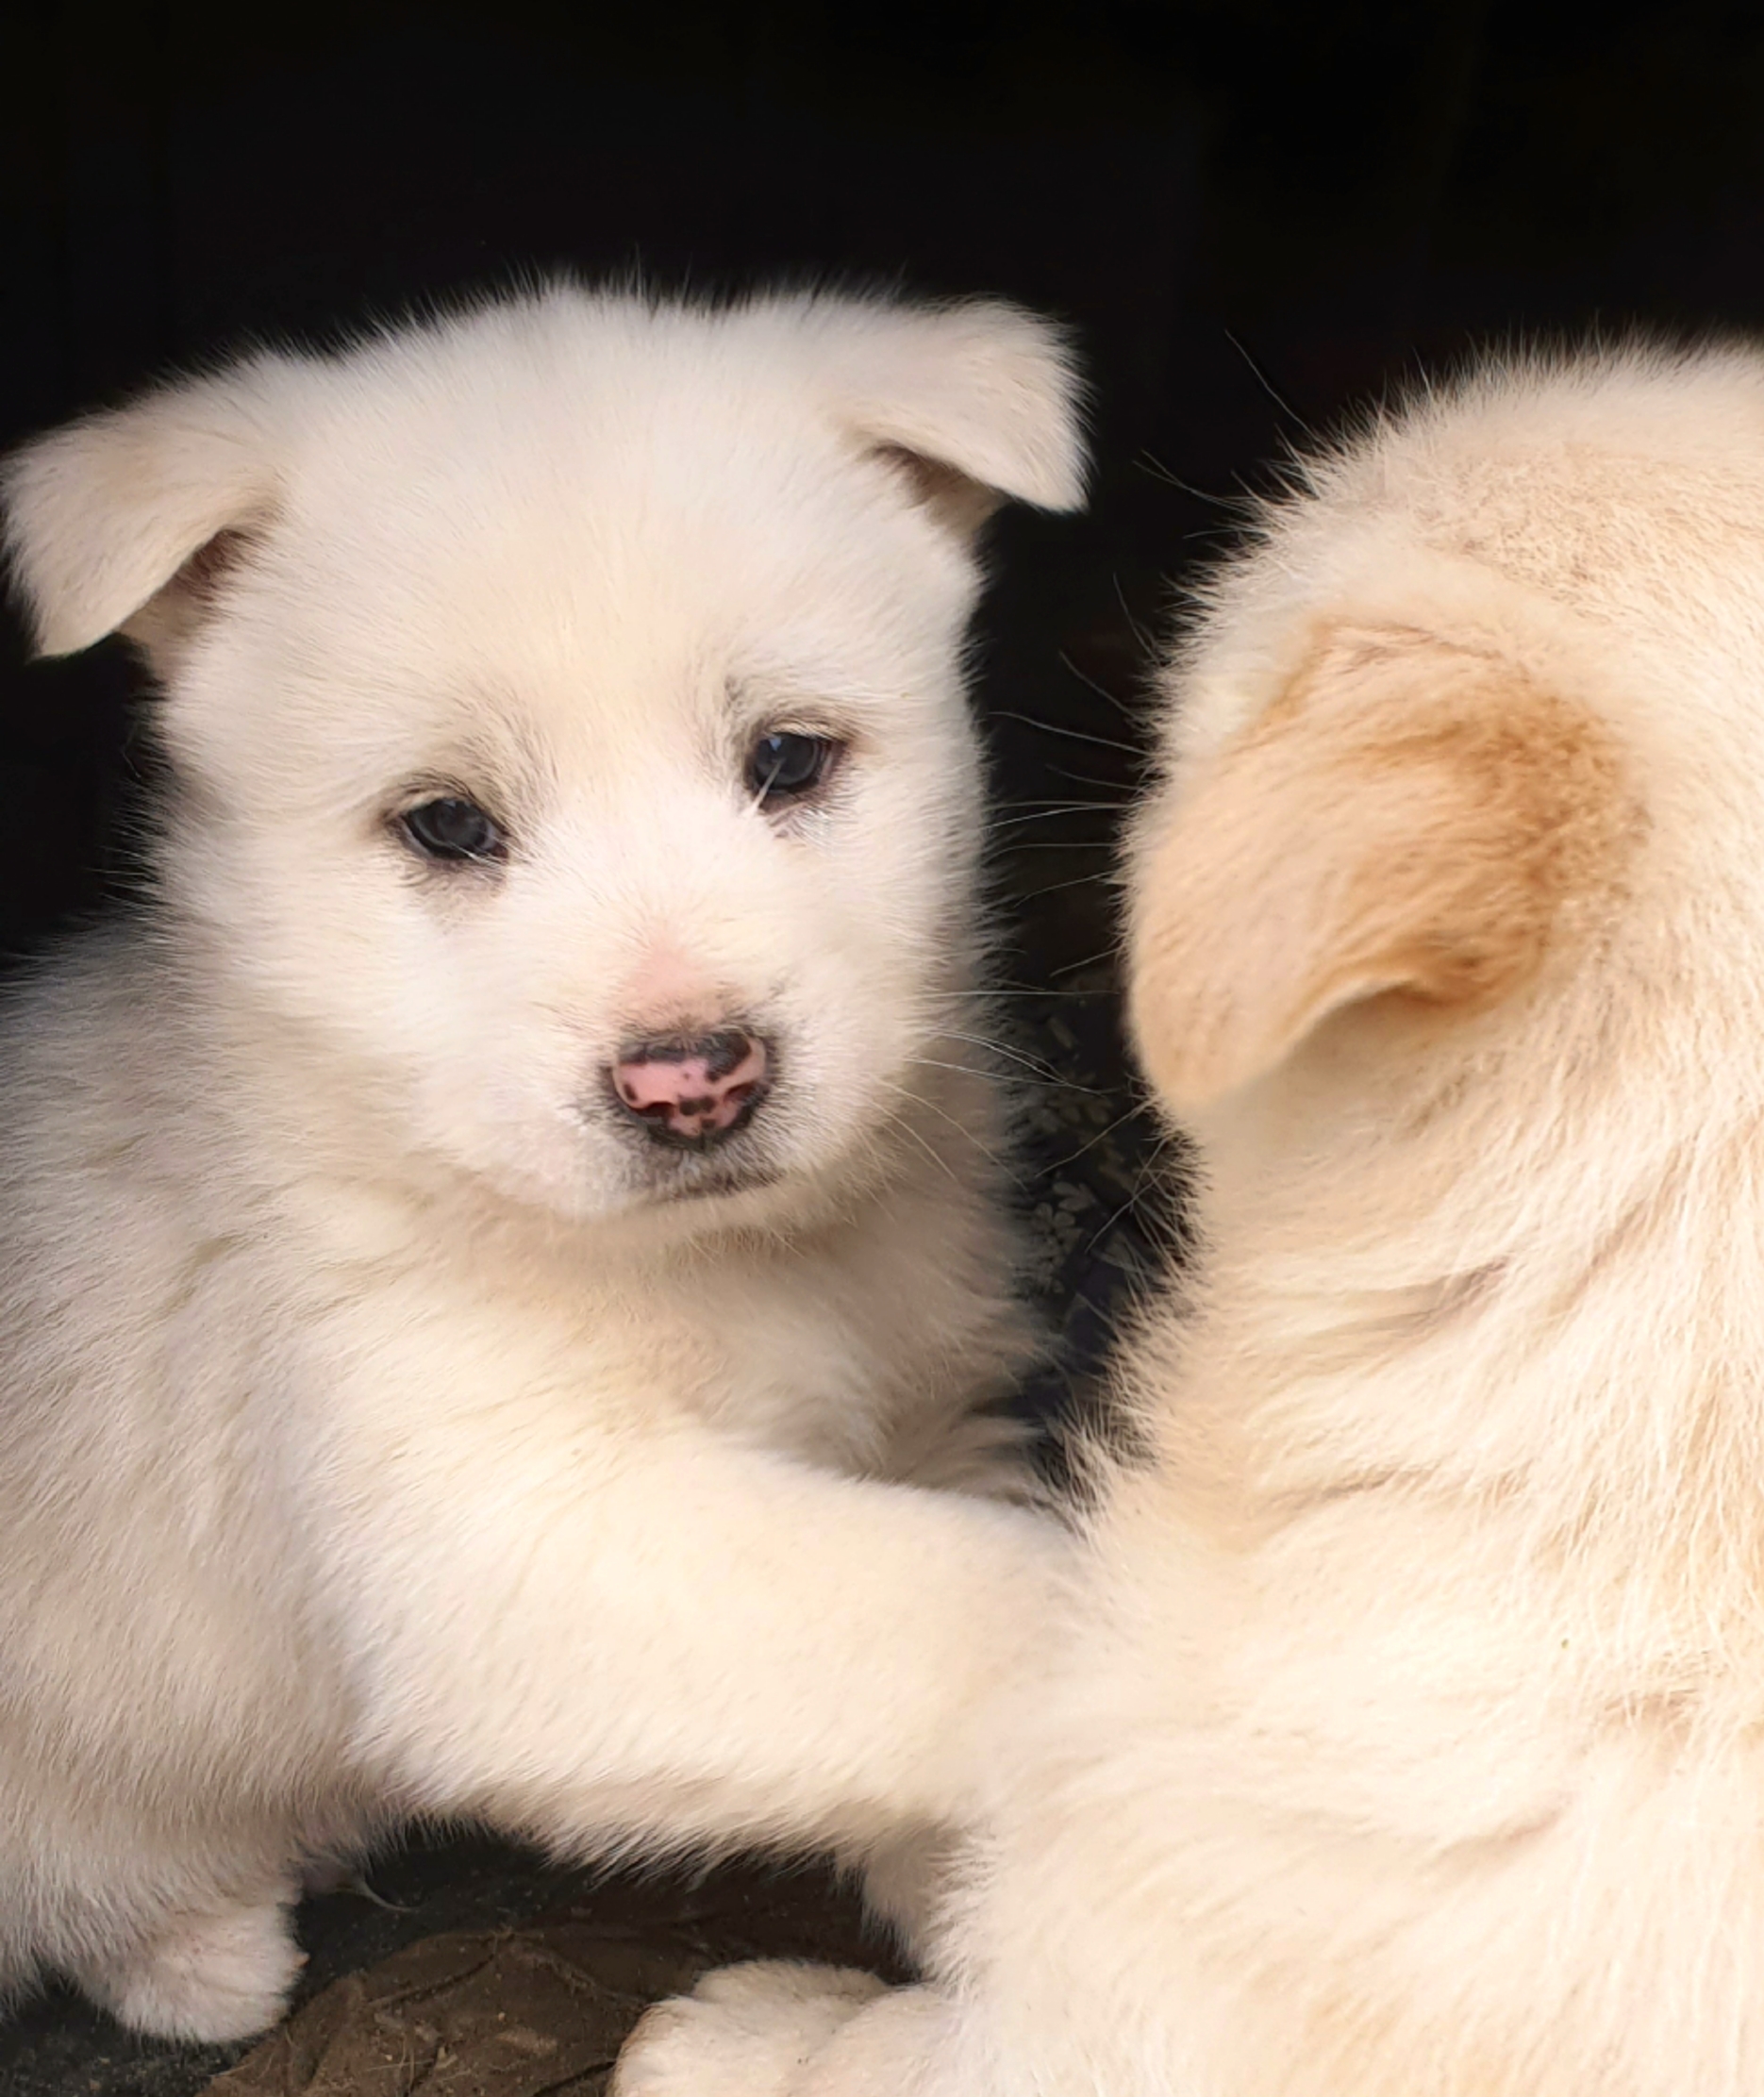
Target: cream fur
{"x":1408,"y":1737}
{"x":388,"y":1429}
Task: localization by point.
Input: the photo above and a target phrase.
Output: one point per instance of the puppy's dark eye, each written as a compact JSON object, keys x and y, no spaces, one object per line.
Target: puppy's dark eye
{"x":451,"y":828}
{"x":784,"y":767}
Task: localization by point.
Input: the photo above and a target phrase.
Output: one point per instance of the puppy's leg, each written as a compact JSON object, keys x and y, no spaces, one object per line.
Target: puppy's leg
{"x":988,"y":1454}
{"x":684,"y":1639}
{"x":905,"y":1879}
{"x":210,"y":1974}
{"x":777,"y":2030}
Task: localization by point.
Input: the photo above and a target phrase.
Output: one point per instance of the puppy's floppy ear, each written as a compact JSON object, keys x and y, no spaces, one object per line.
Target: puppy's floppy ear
{"x":1407,"y":819}
{"x":977,"y":403}
{"x":104,"y":516}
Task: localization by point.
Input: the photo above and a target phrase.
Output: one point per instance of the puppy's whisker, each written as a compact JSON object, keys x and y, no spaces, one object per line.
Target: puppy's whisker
{"x":1035,"y":992}
{"x":756,"y":804}
{"x":1122,"y":792}
{"x":1041,"y":1069}
{"x":1117,"y":797}
{"x":1145,"y":639}
{"x":1266,"y":384}
{"x":1056,"y":810}
{"x":1074,"y":735}
{"x":967,"y":1134}
{"x":1050,"y":888}
{"x":1046,"y":1080}
{"x":1091,"y":684}
{"x":1089,"y":961}
{"x":1153,"y":468}
{"x":898,"y":1120}
{"x":1101,"y":846}
{"x":1144,"y":1181}
{"x":1102,"y":1135}
{"x":1110,"y":789}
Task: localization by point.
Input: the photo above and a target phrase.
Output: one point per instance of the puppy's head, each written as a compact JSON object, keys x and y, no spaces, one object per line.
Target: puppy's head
{"x":1466,"y":790}
{"x":567,"y":705}
{"x":1402,"y":842}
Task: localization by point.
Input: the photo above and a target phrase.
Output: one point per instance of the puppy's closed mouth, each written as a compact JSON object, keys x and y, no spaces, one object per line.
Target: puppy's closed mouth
{"x":690,"y":1181}
{"x":684,"y":1171}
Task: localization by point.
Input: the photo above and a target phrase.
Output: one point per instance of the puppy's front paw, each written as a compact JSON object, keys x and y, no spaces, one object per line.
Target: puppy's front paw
{"x":204,"y":1977}
{"x":746,"y":2031}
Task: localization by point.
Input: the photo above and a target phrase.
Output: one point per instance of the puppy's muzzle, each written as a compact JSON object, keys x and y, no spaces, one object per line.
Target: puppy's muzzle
{"x":692,"y":1091}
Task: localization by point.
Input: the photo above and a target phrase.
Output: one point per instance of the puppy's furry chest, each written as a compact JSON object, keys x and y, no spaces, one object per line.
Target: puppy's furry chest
{"x":629,"y":1349}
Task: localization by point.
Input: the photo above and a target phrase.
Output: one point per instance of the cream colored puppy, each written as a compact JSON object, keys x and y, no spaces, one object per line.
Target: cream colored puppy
{"x":1408,"y":1736}
{"x":472,"y":1247}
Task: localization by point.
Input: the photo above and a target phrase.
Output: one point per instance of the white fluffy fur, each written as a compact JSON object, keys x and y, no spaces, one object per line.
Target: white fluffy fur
{"x":1408,"y":1736}
{"x":386,"y":1429}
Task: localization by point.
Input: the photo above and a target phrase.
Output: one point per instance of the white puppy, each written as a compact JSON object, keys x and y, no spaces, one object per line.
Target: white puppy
{"x":472,"y":1248}
{"x":1408,"y":1741}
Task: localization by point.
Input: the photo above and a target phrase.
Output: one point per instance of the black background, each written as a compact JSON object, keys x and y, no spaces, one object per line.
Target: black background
{"x":1256,"y":213}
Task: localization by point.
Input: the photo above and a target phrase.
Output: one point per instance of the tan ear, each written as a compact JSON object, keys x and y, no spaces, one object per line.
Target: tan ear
{"x":977,"y":402}
{"x":1409,"y":819}
{"x":104,"y":515}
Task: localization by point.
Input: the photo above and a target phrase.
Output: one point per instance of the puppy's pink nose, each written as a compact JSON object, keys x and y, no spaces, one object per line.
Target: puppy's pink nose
{"x":692,"y":1091}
